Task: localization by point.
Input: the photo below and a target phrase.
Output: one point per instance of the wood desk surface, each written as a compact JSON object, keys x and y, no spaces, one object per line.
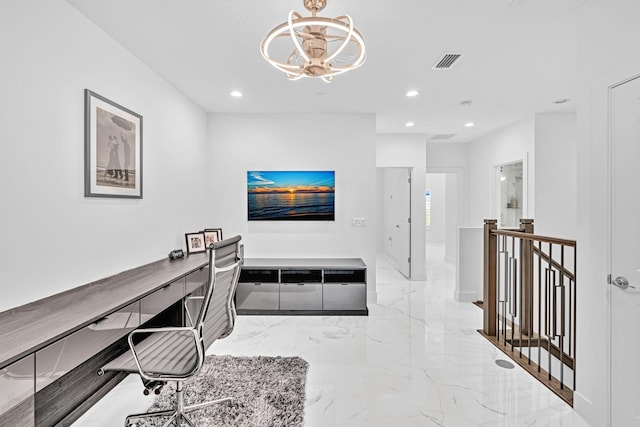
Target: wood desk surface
{"x":30,"y":327}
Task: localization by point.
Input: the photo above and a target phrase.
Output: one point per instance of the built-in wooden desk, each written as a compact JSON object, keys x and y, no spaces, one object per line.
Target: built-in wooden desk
{"x":51,"y":349}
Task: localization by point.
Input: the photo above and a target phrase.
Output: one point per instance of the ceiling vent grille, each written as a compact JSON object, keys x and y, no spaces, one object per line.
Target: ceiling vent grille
{"x":447,"y":61}
{"x":443,"y":136}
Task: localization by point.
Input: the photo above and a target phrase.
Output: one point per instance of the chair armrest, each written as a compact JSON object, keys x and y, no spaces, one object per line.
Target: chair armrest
{"x":149,"y":375}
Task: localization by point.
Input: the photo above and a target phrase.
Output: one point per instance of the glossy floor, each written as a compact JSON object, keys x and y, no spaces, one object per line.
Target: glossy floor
{"x":416,"y":360}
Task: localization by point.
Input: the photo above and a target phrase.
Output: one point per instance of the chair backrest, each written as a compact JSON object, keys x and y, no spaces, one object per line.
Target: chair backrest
{"x":217,"y":314}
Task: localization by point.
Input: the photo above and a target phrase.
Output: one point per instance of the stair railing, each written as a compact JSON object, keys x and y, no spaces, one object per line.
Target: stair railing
{"x":529,"y":302}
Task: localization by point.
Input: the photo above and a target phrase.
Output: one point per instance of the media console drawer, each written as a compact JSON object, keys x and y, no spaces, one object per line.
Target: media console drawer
{"x":258,"y":296}
{"x":300,"y":296}
{"x":344,"y":296}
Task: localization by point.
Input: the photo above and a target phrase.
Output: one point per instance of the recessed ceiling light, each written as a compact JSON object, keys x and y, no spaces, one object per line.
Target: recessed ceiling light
{"x":469,"y":124}
{"x":411,"y":93}
{"x":236,"y":94}
{"x":561,"y":101}
{"x":409,"y":124}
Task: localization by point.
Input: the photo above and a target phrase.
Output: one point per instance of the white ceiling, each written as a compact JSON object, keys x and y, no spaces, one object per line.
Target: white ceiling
{"x":519,"y":57}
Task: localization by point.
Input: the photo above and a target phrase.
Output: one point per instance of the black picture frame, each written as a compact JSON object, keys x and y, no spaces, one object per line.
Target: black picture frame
{"x":113,"y":149}
{"x":195,"y":242}
{"x":212,"y":235}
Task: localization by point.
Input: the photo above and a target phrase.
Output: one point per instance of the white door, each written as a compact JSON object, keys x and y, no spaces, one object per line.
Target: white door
{"x":625,"y":253}
{"x":398,"y":217}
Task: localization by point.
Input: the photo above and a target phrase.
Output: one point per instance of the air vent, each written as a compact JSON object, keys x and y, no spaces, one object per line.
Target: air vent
{"x":443,"y":136}
{"x":446,"y":61}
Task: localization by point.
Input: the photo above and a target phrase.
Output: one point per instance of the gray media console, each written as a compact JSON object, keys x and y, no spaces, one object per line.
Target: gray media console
{"x":302,"y":286}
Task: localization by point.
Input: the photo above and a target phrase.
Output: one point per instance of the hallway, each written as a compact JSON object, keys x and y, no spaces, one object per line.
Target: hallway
{"x":416,"y":360}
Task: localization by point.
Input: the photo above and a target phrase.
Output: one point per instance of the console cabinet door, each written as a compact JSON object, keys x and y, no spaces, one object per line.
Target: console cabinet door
{"x":17,"y":393}
{"x":258,"y":296}
{"x":300,"y":296}
{"x":344,"y":296}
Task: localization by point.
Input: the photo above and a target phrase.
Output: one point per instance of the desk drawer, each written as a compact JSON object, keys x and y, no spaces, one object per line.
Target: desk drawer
{"x":258,"y":296}
{"x":62,"y":356}
{"x":155,"y":303}
{"x":344,"y":296}
{"x":300,"y":296}
{"x":16,"y":394}
{"x":196,"y":280}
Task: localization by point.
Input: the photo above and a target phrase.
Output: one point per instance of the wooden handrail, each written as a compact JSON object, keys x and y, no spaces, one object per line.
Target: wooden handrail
{"x":555,"y":263}
{"x":527,"y":236}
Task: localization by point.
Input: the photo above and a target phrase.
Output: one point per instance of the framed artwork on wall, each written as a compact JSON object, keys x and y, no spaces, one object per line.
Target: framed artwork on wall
{"x":291,"y":195}
{"x":112,"y":149}
{"x":195,"y":242}
{"x":212,"y":235}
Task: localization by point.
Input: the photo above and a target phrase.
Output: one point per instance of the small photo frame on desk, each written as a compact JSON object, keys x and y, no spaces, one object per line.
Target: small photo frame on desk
{"x":212,"y":235}
{"x":195,"y":242}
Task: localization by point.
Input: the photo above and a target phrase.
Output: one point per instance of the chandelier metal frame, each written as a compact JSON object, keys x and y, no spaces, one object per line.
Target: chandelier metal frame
{"x":311,"y":56}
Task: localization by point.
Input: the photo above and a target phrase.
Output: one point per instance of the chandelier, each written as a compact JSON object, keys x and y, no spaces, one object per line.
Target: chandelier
{"x":322,"y":47}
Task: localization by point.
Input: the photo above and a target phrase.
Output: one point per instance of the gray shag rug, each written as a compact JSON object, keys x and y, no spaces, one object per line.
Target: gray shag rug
{"x":268,"y":392}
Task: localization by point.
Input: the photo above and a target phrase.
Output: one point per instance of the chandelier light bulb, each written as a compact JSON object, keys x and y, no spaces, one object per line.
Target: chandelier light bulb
{"x":322,"y":47}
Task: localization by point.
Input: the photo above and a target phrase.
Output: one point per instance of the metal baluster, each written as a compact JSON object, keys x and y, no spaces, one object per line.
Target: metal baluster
{"x":513,"y":290}
{"x":539,"y":302}
{"x":562,"y":313}
{"x":505,"y":281}
{"x":550,"y":288}
{"x":575,"y":309}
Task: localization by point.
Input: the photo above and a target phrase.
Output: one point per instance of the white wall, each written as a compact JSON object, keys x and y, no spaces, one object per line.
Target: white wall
{"x":343,"y":143}
{"x":452,"y":159}
{"x":451,"y":236}
{"x":409,"y":151}
{"x":53,"y":238}
{"x":510,"y":144}
{"x":607,"y":31}
{"x":556,"y":175}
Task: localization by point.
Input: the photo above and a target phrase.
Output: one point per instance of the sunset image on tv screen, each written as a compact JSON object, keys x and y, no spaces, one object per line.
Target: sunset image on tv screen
{"x":291,"y":195}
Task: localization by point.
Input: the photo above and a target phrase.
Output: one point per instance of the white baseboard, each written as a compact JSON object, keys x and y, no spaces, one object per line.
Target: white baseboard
{"x":585,"y":408}
{"x":372,"y":297}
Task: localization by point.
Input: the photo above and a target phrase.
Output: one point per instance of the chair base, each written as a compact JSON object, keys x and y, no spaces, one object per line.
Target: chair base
{"x":178,"y":414}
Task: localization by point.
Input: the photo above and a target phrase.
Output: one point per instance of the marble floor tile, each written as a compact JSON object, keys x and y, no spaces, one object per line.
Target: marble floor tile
{"x":416,"y":360}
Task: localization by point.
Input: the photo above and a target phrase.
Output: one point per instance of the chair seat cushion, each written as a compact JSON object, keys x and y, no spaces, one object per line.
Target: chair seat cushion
{"x":171,"y":353}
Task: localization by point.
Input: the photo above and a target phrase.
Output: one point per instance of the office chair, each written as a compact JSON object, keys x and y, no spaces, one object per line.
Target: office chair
{"x":160,"y":355}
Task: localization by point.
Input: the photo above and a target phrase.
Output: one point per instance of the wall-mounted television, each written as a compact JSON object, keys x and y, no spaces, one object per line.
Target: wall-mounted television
{"x":291,"y":195}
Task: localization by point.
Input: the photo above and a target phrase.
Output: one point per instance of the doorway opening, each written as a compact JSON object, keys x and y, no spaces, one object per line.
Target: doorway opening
{"x":441,"y":217}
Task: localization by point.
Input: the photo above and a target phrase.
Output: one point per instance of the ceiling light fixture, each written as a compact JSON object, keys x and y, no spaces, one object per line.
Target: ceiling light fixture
{"x":412,"y":93}
{"x":236,"y":94}
{"x":409,"y":124}
{"x":323,"y":47}
{"x":469,"y":124}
